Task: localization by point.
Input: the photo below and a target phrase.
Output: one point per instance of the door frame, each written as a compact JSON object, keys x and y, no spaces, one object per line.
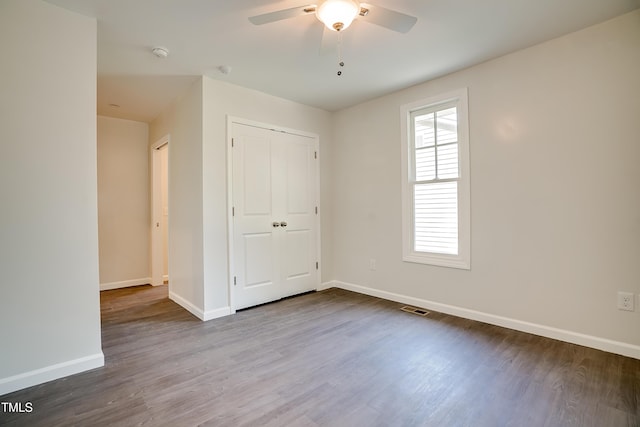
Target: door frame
{"x":156,"y":211}
{"x":230,"y":248}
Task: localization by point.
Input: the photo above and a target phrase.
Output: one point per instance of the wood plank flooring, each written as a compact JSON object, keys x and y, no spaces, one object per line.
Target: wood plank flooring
{"x":331,"y":358}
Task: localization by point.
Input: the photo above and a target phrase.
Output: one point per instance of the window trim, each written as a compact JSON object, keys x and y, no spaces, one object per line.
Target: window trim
{"x":463,"y":259}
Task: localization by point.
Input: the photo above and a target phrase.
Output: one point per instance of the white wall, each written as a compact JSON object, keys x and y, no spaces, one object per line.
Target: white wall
{"x":49,"y":305}
{"x":123,"y":202}
{"x":183,"y":121}
{"x":555,"y":154}
{"x":198,"y":183}
{"x":222,"y":99}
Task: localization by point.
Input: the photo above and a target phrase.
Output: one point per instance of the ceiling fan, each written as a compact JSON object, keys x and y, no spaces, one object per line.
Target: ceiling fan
{"x":337,"y":15}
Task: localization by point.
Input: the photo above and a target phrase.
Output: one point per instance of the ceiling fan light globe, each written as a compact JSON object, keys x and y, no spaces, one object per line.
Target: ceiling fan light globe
{"x":337,"y":14}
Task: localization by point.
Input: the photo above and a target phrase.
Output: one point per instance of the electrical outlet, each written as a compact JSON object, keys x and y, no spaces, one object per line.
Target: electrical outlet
{"x":625,"y":301}
{"x":372,"y":264}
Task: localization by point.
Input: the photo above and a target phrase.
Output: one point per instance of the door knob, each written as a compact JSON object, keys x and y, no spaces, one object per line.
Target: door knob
{"x":283,"y":224}
{"x":276,"y":224}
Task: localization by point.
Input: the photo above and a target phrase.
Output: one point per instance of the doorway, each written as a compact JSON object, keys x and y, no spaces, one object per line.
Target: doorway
{"x":160,"y":212}
{"x":274,"y":230}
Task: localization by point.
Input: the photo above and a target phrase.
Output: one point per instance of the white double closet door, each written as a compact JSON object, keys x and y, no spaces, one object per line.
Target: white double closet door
{"x":275,"y":232}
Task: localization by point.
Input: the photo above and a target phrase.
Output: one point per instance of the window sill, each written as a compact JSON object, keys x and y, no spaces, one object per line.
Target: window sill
{"x":438,"y":260}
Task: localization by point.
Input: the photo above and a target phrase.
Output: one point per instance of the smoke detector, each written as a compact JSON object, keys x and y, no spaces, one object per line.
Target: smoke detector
{"x":224,"y":69}
{"x":160,"y":52}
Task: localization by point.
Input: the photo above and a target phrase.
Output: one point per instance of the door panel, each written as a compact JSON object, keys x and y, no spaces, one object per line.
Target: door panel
{"x":256,"y":169}
{"x":296,"y":254}
{"x":300,"y":244}
{"x":258,"y":260}
{"x":298,"y":157}
{"x":274,"y":182}
{"x":257,"y":275}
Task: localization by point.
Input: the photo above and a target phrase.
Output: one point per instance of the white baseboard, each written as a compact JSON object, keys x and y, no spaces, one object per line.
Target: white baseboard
{"x":604,"y":344}
{"x":328,"y":285}
{"x":125,"y":284}
{"x":199,"y":313}
{"x":186,"y":305}
{"x":214,"y":314}
{"x":50,"y":373}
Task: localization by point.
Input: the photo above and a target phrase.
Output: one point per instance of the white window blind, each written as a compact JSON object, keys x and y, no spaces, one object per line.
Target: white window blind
{"x":435,"y":193}
{"x":436,"y":217}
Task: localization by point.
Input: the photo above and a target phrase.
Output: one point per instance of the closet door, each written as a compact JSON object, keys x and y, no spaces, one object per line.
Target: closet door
{"x":298,"y":240}
{"x":274,"y":222}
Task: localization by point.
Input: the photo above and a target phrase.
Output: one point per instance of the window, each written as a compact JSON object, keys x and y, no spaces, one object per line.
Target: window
{"x":435,"y":170}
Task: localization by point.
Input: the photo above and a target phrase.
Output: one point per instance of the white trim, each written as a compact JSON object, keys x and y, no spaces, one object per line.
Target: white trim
{"x":327,"y":285}
{"x":617,"y":347}
{"x":262,"y":125}
{"x":218,"y":312}
{"x":463,"y":259}
{"x":125,"y":284}
{"x":186,"y":305}
{"x":50,"y":373}
{"x":319,"y":214}
{"x":199,"y":313}
{"x":230,"y":248}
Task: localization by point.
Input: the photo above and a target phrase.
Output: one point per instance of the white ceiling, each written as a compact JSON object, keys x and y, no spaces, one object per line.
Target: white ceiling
{"x":283,"y":58}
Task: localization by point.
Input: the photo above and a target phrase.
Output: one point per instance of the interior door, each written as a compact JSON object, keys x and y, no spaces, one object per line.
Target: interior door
{"x":164,"y":196}
{"x":274,"y":214}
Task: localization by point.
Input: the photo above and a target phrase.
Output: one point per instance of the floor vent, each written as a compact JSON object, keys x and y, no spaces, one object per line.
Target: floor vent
{"x":415,"y":310}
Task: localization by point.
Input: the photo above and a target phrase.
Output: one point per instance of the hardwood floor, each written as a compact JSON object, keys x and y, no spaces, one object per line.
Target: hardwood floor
{"x":331,"y":358}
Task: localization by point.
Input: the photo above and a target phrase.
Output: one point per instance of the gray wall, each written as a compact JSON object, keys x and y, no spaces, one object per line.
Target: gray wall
{"x":49,"y":305}
{"x":123,"y":202}
{"x":555,"y":204}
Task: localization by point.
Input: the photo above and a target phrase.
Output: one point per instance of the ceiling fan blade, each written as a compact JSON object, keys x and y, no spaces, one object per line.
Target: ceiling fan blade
{"x":279,"y":15}
{"x":387,"y":18}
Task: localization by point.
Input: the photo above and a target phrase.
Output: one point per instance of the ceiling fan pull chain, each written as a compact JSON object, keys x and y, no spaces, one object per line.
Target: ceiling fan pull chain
{"x":340,"y":61}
